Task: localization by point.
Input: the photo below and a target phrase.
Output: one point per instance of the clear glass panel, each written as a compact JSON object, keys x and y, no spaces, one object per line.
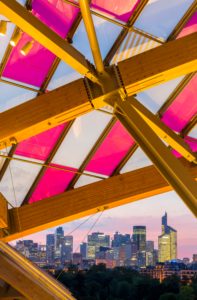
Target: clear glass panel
{"x":41,"y":145}
{"x":137,"y":160}
{"x":159,"y":17}
{"x":4,"y":40}
{"x":132,"y":45}
{"x":52,"y":183}
{"x":23,"y":174}
{"x":183,"y":108}
{"x":118,"y":9}
{"x":193,"y":132}
{"x":11,"y":96}
{"x":85,"y":180}
{"x":106,"y":34}
{"x":112,"y":151}
{"x":81,"y":138}
{"x":34,"y":67}
{"x":63,"y":75}
{"x":155,"y":97}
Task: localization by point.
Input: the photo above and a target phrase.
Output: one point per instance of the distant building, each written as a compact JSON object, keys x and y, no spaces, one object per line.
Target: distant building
{"x":139,"y":237}
{"x":50,"y":248}
{"x":84,"y":250}
{"x":186,"y":260}
{"x":67,"y":248}
{"x":59,"y":237}
{"x":194,"y":258}
{"x":77,"y":259}
{"x":95,"y":241}
{"x":149,"y":253}
{"x":121,"y":239}
{"x":167,"y":242}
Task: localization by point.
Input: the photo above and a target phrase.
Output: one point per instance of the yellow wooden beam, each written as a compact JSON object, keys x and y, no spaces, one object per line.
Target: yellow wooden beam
{"x":163,"y":131}
{"x":28,"y":279}
{"x":3,"y":212}
{"x":86,"y":200}
{"x":43,"y":113}
{"x":25,"y":20}
{"x":159,"y":65}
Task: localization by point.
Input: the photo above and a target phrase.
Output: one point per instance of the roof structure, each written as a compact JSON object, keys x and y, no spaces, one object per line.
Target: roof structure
{"x":76,"y":135}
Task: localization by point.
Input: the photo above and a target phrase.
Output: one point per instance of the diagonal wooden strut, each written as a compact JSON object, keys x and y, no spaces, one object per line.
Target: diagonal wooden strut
{"x":28,"y":279}
{"x":46,"y":37}
{"x":163,"y":131}
{"x":171,"y":169}
{"x":87,"y":200}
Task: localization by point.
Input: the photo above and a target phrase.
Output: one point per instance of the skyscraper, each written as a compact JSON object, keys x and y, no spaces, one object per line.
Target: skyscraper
{"x":121,"y":239}
{"x":167,"y":241}
{"x":139,"y":237}
{"x":59,"y":237}
{"x":83,"y":250}
{"x":67,"y":248}
{"x":95,"y":241}
{"x":50,"y":247}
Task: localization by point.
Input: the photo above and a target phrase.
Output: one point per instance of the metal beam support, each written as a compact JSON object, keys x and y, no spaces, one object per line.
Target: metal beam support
{"x":87,"y":200}
{"x":89,"y":25}
{"x":46,"y":37}
{"x":28,"y":279}
{"x":171,"y":169}
{"x":163,"y":131}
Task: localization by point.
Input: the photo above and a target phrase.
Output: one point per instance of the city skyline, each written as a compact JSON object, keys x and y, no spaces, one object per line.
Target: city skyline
{"x":146,"y":212}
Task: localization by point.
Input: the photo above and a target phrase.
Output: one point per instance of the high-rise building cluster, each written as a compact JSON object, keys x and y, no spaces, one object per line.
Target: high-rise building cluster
{"x":122,"y":250}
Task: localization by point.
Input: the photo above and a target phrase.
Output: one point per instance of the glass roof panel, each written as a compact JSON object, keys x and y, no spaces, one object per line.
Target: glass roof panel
{"x":11,"y":96}
{"x":85,"y":180}
{"x":33,"y":68}
{"x":159,"y":17}
{"x":106,"y":34}
{"x":119,"y":9}
{"x":132,"y":45}
{"x":41,"y":145}
{"x":22,"y":174}
{"x":183,"y":108}
{"x":193,"y":132}
{"x":63,"y":75}
{"x":4,"y":40}
{"x":137,"y":160}
{"x":52,"y":183}
{"x":112,"y":151}
{"x":81,"y":138}
{"x":155,"y":97}
{"x":190,"y":27}
{"x":3,"y":152}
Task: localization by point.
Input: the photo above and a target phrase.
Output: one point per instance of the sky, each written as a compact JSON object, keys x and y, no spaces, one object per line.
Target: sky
{"x":146,"y":212}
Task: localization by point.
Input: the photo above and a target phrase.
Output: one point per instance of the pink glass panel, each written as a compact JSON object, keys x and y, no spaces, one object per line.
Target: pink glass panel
{"x":33,"y":68}
{"x":40,"y":146}
{"x":52,"y":183}
{"x":190,"y":27}
{"x":119,"y":9}
{"x":183,"y":108}
{"x":192,"y":142}
{"x":111,"y":151}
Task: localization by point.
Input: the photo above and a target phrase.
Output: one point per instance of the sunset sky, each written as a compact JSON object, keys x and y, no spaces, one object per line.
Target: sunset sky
{"x":145,"y":212}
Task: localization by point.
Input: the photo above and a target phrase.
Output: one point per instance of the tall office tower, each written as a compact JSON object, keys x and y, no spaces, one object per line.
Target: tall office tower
{"x":121,"y":239}
{"x":59,"y":237}
{"x":50,"y":247}
{"x":139,"y":237}
{"x":95,"y":241}
{"x":84,"y":250}
{"x":67,"y":248}
{"x":167,"y":241}
{"x":149,"y":253}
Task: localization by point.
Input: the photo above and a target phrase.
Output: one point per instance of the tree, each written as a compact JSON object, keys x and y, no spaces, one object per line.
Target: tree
{"x":168,"y":296}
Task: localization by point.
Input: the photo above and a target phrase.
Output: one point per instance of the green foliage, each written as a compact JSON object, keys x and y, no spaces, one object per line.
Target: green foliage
{"x":120,"y":283}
